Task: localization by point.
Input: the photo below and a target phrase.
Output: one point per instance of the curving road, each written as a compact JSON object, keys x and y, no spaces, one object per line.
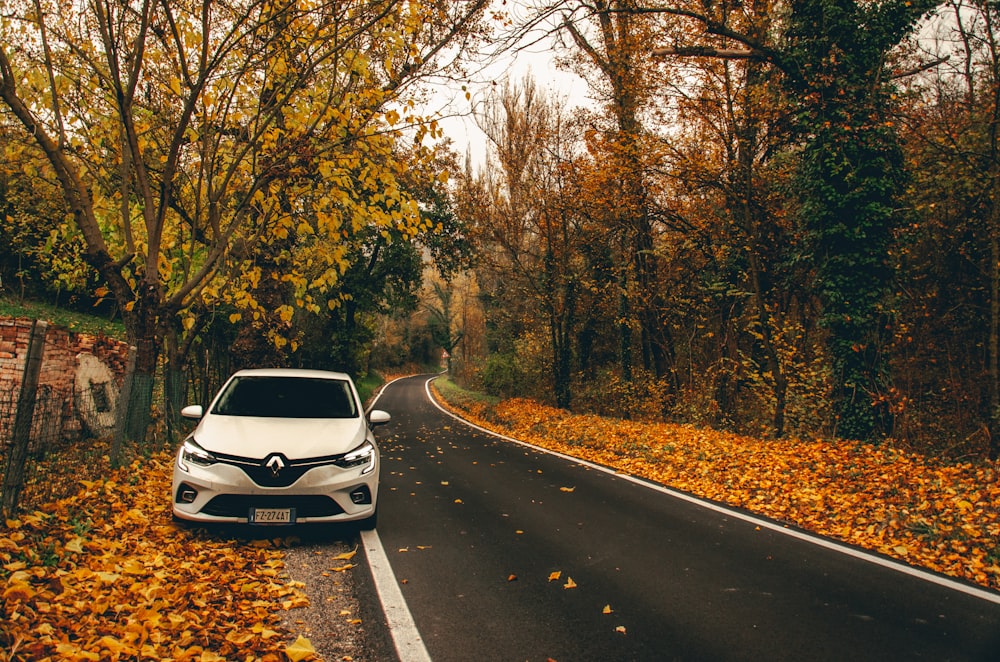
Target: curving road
{"x":483,"y":536}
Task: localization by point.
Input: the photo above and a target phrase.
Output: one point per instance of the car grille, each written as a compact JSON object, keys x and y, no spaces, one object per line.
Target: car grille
{"x":238,"y":505}
{"x":290,"y":470}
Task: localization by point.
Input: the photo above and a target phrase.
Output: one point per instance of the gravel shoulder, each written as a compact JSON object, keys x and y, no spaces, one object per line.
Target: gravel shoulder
{"x":343,"y":620}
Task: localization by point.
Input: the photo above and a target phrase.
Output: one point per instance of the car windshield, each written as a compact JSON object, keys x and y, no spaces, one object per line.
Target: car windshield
{"x":287,"y":397}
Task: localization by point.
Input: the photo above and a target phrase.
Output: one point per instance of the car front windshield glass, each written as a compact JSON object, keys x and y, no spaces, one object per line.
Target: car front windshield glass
{"x":287,"y":397}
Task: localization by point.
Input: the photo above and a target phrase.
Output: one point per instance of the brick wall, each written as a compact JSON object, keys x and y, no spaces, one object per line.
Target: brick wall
{"x":79,"y":382}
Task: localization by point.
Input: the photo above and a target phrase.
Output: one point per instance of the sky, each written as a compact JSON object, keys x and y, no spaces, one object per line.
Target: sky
{"x":537,"y":60}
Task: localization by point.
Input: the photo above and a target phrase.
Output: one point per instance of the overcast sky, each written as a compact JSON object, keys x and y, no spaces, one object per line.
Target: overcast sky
{"x":537,"y":59}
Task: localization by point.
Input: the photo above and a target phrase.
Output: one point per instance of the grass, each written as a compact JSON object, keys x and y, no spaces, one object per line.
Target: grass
{"x":452,"y":392}
{"x":368,"y":384}
{"x":64,"y":317}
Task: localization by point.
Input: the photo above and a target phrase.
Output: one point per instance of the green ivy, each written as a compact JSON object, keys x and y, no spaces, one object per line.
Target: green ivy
{"x":849,"y":177}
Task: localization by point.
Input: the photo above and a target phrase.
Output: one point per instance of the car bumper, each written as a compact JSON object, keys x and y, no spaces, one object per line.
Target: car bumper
{"x":224,"y":493}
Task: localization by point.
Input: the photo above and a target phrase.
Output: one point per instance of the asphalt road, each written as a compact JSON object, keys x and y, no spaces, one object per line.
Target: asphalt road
{"x":475,"y":529}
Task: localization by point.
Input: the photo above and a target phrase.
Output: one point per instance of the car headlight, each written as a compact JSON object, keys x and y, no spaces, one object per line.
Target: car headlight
{"x":362,"y":455}
{"x":192,"y":453}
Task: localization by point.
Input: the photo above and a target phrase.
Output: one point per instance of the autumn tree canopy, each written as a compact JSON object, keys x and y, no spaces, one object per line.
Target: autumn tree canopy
{"x":767,"y":253}
{"x":187,"y":137}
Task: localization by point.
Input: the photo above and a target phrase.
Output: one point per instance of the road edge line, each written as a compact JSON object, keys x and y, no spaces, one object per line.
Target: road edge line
{"x":405,"y":637}
{"x":805,"y":536}
{"x":403,"y":630}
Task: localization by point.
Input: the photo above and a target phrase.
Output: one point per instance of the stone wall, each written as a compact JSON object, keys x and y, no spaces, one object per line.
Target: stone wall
{"x":79,"y":382}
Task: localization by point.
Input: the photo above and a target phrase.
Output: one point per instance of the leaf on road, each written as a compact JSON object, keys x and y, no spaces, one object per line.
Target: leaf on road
{"x":620,"y":629}
{"x":567,"y":489}
{"x":555,"y":575}
{"x":512,"y":578}
{"x":943,"y":515}
{"x":606,"y":610}
{"x":569,"y":583}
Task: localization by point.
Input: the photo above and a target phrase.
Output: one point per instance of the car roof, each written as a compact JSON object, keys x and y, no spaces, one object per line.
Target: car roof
{"x":292,"y":372}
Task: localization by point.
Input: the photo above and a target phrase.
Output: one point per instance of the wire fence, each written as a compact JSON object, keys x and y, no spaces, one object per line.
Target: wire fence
{"x":58,"y":411}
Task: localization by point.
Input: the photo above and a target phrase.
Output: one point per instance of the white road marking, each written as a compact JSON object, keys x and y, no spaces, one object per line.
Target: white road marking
{"x":815,"y":539}
{"x":405,"y":636}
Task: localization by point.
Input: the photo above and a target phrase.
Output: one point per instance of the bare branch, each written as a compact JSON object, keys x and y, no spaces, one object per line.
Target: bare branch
{"x":709,"y":51}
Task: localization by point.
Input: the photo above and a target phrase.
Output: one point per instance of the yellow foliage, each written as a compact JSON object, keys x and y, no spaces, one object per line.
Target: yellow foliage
{"x":132,"y":585}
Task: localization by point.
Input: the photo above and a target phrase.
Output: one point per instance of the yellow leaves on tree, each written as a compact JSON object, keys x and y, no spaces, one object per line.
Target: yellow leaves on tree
{"x":945,"y":517}
{"x":106,"y":575}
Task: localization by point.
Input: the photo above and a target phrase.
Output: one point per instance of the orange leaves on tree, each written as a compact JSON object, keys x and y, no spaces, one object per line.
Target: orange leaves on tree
{"x":106,"y":575}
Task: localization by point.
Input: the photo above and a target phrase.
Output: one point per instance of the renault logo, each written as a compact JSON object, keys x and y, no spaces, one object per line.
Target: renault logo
{"x":275,"y":464}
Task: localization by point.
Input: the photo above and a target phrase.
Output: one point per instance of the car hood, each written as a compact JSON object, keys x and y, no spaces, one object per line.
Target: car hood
{"x":296,"y":439}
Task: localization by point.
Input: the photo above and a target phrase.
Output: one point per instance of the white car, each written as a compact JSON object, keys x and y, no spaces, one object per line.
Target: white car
{"x":280,"y":447}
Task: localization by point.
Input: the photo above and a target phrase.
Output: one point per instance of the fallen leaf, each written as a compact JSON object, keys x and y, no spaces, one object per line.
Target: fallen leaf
{"x":133,"y":567}
{"x":606,"y":610}
{"x":346,"y":556}
{"x":567,"y":489}
{"x":295,"y":603}
{"x":512,"y":578}
{"x":238,"y":638}
{"x":555,"y":575}
{"x":569,"y":583}
{"x":620,"y":629}
{"x":300,"y":650}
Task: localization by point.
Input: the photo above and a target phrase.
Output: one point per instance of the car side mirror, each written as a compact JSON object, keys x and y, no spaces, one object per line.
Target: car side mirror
{"x":378,"y":417}
{"x":194,"y":412}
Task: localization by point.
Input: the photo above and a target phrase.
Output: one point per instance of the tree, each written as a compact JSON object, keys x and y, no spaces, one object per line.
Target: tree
{"x":40,"y":254}
{"x":833,"y":56}
{"x":445,"y":333}
{"x":948,"y":257}
{"x":617,"y":49}
{"x":531,"y":234}
{"x":185,"y":135}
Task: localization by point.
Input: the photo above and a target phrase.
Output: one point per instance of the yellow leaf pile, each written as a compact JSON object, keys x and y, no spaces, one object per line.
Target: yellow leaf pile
{"x":106,"y":575}
{"x":945,"y":517}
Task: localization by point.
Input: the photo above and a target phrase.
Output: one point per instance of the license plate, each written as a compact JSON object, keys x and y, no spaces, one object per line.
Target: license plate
{"x":272,"y":515}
